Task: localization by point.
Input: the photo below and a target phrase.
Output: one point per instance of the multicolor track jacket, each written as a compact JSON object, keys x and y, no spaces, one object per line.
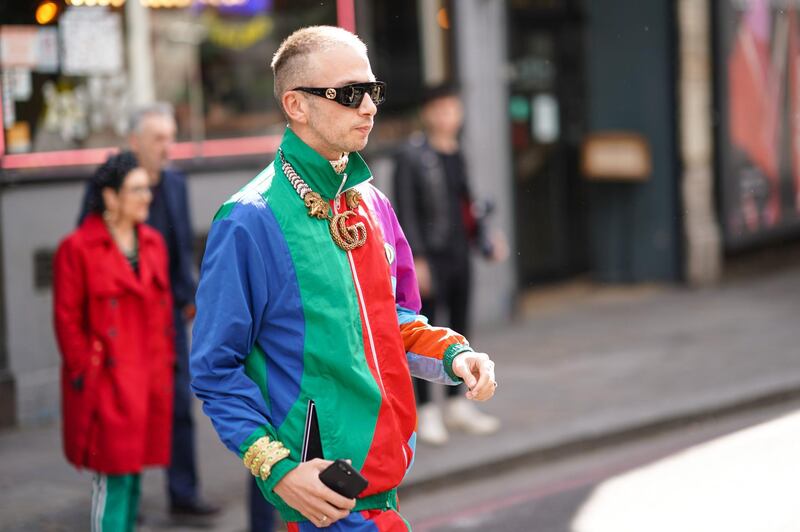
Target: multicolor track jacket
{"x":286,"y":319}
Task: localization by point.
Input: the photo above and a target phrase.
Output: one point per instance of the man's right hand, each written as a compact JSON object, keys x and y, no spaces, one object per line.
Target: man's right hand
{"x":302,"y":489}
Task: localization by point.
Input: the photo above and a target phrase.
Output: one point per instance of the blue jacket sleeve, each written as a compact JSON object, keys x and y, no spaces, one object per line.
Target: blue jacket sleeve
{"x":231,"y":302}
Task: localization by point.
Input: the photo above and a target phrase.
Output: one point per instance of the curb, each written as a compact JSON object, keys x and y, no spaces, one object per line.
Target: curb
{"x":574,"y":445}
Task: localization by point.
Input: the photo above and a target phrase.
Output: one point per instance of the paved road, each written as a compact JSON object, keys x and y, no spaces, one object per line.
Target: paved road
{"x":725,"y":474}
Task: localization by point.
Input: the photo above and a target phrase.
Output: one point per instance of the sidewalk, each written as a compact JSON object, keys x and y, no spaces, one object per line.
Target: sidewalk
{"x":579,"y":369}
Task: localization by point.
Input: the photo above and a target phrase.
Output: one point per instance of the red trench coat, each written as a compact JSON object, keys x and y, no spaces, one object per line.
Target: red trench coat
{"x":116,"y":338}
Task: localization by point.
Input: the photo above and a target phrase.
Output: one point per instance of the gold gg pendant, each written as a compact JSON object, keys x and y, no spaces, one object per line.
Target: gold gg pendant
{"x":347,"y":237}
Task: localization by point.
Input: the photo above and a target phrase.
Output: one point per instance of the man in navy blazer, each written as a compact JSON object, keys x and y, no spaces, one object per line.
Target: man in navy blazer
{"x":152,"y":133}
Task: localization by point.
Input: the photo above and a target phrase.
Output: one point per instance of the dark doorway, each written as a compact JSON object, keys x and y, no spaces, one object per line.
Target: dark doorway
{"x":547,"y":120}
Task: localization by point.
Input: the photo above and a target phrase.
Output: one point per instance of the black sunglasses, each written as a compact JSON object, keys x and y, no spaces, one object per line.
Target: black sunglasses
{"x":350,"y":95}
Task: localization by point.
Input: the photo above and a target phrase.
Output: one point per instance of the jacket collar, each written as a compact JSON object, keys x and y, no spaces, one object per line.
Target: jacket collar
{"x":316,"y":171}
{"x":96,"y":234}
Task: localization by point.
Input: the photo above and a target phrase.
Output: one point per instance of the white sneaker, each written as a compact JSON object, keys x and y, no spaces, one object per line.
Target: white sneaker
{"x":462,"y":414}
{"x":430,"y":428}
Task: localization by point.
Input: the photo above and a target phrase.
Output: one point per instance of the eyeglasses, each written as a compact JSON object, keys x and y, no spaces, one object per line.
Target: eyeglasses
{"x":350,"y":95}
{"x":141,"y":191}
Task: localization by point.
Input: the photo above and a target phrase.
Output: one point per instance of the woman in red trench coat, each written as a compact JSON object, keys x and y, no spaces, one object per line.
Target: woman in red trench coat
{"x":113,"y":321}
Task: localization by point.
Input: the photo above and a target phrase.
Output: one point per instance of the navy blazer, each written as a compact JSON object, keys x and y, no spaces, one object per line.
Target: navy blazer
{"x":181,"y":264}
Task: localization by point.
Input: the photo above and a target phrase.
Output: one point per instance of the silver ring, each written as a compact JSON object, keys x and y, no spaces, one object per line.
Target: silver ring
{"x":323,"y":518}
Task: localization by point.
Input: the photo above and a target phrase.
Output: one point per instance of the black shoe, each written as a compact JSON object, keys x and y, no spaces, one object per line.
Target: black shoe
{"x":195,"y":509}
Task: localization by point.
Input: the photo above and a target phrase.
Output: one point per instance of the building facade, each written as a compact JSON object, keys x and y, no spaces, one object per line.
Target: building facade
{"x":702,"y":91}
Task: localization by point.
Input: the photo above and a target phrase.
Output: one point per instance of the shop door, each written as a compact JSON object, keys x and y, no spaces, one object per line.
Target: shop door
{"x":547,"y":117}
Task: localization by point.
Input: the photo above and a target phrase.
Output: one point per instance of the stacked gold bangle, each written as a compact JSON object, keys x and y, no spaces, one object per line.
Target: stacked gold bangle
{"x":262,"y":455}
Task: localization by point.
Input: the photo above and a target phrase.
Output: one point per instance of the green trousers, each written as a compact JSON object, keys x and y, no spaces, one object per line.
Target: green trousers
{"x":115,"y":502}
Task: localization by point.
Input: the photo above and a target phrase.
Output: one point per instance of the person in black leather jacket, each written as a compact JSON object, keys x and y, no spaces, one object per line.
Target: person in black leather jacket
{"x":443,"y":224}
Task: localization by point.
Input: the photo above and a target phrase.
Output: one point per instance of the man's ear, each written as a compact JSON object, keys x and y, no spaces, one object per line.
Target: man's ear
{"x":295,"y":107}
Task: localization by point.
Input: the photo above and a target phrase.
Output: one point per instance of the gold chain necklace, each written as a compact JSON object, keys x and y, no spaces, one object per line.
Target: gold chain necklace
{"x":346,"y":237}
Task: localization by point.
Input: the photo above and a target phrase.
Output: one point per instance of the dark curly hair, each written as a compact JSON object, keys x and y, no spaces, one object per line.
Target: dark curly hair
{"x":111,"y":174}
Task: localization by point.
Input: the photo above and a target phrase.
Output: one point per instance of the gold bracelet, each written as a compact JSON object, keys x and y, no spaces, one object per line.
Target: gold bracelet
{"x":248,"y":456}
{"x":262,"y":455}
{"x":271,"y":460}
{"x":262,"y":452}
{"x":256,"y":463}
{"x":254,"y":450}
{"x":269,"y":457}
{"x":276,"y":455}
{"x":264,"y":472}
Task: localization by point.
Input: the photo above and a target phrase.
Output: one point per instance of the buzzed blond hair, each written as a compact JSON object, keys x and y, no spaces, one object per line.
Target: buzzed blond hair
{"x":291,"y":60}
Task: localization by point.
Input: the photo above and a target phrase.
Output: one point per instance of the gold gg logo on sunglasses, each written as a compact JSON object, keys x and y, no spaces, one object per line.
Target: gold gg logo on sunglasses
{"x":350,"y":95}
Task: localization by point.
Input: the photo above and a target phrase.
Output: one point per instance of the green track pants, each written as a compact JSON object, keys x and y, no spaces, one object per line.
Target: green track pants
{"x":115,"y":502}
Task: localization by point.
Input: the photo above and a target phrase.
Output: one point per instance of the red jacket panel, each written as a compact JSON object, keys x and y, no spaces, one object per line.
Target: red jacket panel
{"x":115,"y":333}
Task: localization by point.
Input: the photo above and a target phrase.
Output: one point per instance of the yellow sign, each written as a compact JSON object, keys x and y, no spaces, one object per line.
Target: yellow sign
{"x":236,"y":35}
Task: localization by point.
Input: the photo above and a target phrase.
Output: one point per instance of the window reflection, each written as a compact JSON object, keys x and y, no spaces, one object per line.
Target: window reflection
{"x":70,"y":81}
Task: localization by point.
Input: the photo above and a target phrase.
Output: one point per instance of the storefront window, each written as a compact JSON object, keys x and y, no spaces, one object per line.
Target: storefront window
{"x":64,"y":83}
{"x":70,"y":80}
{"x":218,"y":63}
{"x":758,"y":79}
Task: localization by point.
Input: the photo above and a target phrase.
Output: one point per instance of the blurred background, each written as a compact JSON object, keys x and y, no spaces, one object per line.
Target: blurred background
{"x":643,"y":159}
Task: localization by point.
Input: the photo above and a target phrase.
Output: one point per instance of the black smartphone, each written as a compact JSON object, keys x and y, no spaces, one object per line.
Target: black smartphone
{"x":342,"y":478}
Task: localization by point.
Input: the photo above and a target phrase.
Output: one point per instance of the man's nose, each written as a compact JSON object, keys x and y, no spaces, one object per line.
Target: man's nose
{"x":367,"y":106}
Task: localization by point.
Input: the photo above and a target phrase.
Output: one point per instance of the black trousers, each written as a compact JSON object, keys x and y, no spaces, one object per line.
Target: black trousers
{"x":452,"y":284}
{"x":182,"y":472}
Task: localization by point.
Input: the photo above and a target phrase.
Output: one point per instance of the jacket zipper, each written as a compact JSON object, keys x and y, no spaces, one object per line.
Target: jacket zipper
{"x":363,"y":305}
{"x":361,"y":301}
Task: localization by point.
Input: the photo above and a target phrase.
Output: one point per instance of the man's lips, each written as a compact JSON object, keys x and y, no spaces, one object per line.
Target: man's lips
{"x":365,"y":129}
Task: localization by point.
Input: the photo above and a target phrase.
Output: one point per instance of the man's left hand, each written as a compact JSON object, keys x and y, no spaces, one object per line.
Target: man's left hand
{"x":477,"y":370}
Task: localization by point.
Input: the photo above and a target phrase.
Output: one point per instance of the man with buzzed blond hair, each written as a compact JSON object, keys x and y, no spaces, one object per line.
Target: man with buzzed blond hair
{"x":307,"y":328}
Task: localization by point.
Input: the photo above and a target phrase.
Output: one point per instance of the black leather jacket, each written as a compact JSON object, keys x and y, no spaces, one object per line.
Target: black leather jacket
{"x":424,"y":203}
